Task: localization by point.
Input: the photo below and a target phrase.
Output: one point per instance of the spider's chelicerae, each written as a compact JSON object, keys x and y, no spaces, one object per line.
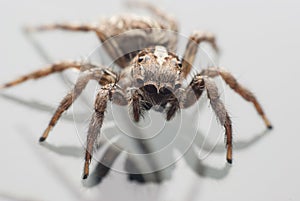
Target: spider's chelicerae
{"x":152,"y":74}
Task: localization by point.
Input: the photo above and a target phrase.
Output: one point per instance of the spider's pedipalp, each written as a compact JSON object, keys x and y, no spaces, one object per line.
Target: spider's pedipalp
{"x":238,"y":88}
{"x":136,"y":106}
{"x":174,"y":106}
{"x":171,"y":111}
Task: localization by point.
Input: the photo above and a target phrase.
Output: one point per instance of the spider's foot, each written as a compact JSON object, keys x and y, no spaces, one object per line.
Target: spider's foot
{"x":30,"y":29}
{"x":98,"y":174}
{"x":45,"y":134}
{"x":4,"y":86}
{"x":27,"y":29}
{"x":86,"y":170}
{"x":85,"y":176}
{"x":267,"y":122}
{"x":229,"y":154}
{"x":42,"y":139}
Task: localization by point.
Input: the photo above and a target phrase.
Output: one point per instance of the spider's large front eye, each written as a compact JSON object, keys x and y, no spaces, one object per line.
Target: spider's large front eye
{"x":165,"y":91}
{"x":150,"y":88}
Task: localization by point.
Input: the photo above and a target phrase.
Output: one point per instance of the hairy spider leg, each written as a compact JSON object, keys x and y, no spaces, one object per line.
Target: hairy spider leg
{"x":95,"y":126}
{"x":173,"y":25}
{"x":103,"y":167}
{"x":238,"y":88}
{"x":101,"y":75}
{"x":194,"y":91}
{"x":196,"y":38}
{"x":53,"y":68}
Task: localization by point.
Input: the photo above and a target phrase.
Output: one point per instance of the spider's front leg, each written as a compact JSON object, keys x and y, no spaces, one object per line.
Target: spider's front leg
{"x":95,"y":126}
{"x":103,"y":76}
{"x":192,"y":47}
{"x":194,"y":91}
{"x":238,"y":88}
{"x":103,"y":167}
{"x":89,"y":71}
{"x":106,"y":93}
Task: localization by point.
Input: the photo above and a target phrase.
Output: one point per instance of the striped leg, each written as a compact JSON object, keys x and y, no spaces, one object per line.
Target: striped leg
{"x":54,"y":68}
{"x":238,"y":88}
{"x":192,"y":47}
{"x":98,"y":74}
{"x":194,"y":91}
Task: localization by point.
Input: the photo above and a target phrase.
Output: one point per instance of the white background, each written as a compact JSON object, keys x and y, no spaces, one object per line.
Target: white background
{"x":260,"y":46}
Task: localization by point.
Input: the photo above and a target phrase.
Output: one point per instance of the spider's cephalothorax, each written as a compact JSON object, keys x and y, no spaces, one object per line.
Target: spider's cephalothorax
{"x":151,"y":76}
{"x":157,"y":75}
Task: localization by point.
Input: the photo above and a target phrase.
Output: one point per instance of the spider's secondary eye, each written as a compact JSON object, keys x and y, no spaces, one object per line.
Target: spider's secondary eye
{"x":177,"y":85}
{"x":150,"y":88}
{"x":165,"y":91}
{"x":140,"y":81}
{"x":140,"y":59}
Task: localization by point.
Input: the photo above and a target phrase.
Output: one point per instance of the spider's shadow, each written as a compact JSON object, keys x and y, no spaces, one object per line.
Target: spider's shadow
{"x":37,"y":105}
{"x":204,"y":170}
{"x":112,"y":153}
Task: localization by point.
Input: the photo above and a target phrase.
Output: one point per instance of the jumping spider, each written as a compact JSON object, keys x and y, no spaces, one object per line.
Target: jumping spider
{"x":152,"y":75}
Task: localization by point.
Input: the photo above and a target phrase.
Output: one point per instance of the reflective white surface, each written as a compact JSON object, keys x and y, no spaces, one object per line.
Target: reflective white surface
{"x":259,"y":44}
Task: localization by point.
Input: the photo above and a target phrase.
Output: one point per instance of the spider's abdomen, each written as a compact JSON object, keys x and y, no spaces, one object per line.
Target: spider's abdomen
{"x":129,"y":34}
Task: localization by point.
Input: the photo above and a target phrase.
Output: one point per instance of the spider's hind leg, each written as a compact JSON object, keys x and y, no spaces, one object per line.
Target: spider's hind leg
{"x":62,"y":26}
{"x":107,"y":93}
{"x":170,"y":21}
